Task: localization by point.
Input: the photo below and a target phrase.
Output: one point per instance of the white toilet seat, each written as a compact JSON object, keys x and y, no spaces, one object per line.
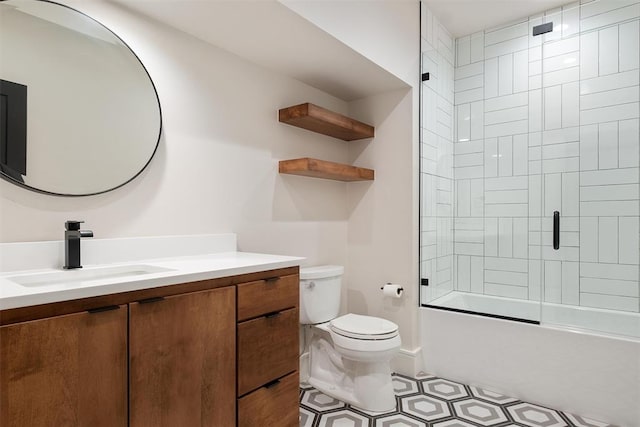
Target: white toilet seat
{"x":359,"y":349}
{"x":363,"y":337}
{"x":360,"y":327}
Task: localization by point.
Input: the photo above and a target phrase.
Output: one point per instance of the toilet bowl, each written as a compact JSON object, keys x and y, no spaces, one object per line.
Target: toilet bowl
{"x":349,"y":356}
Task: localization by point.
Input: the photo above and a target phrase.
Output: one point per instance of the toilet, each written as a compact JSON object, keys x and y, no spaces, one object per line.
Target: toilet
{"x":348,"y":356}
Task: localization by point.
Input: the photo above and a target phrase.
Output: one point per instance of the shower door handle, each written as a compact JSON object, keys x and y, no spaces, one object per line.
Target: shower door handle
{"x":556,"y":230}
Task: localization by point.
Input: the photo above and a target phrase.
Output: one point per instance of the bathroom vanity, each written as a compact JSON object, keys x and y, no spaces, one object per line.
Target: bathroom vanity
{"x":219,"y":351}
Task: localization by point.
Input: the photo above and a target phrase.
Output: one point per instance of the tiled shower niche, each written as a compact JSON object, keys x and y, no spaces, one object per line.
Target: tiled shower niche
{"x":538,"y":124}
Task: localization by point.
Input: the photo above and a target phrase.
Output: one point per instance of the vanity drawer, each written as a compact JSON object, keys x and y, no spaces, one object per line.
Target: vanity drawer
{"x":275,"y":404}
{"x":267,"y":349}
{"x":267,"y":296}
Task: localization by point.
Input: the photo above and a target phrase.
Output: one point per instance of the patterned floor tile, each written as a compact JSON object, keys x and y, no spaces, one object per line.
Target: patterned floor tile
{"x":491,"y":396}
{"x":319,"y":401}
{"x":403,"y":386}
{"x":484,"y":413}
{"x":586,"y":422}
{"x":444,"y":389}
{"x":425,"y":407}
{"x":398,"y":420}
{"x":454,"y":423}
{"x":344,"y":418}
{"x":429,"y":401}
{"x":535,"y":416}
{"x":307,"y":417}
{"x":374,"y":414}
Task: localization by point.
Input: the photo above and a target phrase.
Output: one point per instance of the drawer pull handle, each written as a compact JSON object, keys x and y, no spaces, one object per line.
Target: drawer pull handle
{"x":101,"y":309}
{"x":271,"y":280}
{"x":272,"y":315}
{"x":150,"y":300}
{"x":272,"y":384}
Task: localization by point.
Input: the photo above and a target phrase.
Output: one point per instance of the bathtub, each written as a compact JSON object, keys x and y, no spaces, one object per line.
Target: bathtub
{"x":572,"y":368}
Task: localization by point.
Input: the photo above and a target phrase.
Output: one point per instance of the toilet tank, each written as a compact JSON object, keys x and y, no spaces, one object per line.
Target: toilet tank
{"x":320,"y":293}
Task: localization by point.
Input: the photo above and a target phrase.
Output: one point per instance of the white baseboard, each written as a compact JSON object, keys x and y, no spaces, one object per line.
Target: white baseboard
{"x":408,"y":362}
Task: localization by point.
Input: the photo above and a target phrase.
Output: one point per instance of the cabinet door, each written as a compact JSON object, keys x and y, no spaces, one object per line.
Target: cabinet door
{"x":182,"y":360}
{"x":65,"y":371}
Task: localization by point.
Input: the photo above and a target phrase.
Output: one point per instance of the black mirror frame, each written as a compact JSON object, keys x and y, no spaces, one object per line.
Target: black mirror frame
{"x":20,"y":183}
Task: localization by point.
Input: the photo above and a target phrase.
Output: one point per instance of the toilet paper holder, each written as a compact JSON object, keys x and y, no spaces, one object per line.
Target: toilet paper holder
{"x":392,"y":290}
{"x":389,"y":283}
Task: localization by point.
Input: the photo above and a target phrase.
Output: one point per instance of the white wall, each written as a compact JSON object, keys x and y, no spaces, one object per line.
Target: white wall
{"x":386,"y":32}
{"x":216,"y":167}
{"x":383,"y":221}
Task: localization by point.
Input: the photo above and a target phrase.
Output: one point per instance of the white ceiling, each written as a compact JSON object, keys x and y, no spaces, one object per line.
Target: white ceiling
{"x":270,"y":34}
{"x":462,"y":17}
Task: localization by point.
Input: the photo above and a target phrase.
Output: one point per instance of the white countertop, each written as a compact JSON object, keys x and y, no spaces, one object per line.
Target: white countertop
{"x":175,"y":270}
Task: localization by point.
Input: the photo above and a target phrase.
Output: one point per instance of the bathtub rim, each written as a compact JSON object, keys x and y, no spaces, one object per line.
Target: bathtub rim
{"x":541,"y":322}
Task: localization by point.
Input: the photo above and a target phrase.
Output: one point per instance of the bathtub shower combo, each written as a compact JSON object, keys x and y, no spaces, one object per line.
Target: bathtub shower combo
{"x":530,"y":207}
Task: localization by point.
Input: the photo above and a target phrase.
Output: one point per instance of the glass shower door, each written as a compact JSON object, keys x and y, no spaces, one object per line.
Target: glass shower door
{"x":481,"y":193}
{"x":590,"y":158}
{"x":530,"y":168}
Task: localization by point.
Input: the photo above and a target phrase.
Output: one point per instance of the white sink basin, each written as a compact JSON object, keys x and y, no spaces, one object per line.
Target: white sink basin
{"x":73,"y":277}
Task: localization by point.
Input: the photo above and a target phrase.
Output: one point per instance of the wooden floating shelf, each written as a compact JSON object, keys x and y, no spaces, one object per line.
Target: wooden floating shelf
{"x":317,"y":119}
{"x":328,"y":170}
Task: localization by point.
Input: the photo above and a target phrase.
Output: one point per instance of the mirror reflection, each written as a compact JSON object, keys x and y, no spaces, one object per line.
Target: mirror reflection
{"x":79,"y":113}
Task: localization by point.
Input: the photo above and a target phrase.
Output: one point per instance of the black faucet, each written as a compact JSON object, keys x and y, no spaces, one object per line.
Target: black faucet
{"x":72,"y":237}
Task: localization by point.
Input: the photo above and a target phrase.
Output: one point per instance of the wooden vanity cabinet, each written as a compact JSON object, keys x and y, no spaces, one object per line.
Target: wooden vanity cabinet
{"x":182,"y":360}
{"x":213,"y":353}
{"x":68,"y":370}
{"x":268,"y":350}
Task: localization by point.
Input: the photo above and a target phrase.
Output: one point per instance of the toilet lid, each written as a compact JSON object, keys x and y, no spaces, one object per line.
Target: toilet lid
{"x":363,"y":327}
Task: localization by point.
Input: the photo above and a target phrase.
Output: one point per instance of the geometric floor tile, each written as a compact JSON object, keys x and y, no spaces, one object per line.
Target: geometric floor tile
{"x":319,"y":401}
{"x":484,"y":413}
{"x":403,"y":386}
{"x":444,"y":389}
{"x":399,"y":420}
{"x":535,"y":416}
{"x":429,"y":401}
{"x":491,"y":396}
{"x":454,"y":423}
{"x":306,"y":417}
{"x":344,"y":418}
{"x":375,"y":414}
{"x":585,"y":422}
{"x":425,"y":407}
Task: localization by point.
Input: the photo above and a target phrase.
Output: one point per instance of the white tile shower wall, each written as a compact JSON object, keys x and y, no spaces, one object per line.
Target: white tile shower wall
{"x":608,"y":190}
{"x":543,"y":124}
{"x":437,"y":247}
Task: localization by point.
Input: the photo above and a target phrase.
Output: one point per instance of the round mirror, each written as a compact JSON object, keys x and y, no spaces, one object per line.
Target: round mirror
{"x":79,"y":114}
